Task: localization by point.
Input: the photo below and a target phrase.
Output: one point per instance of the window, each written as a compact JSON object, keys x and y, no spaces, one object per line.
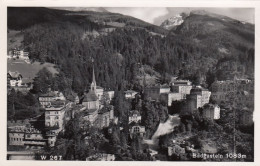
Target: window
{"x":56,"y":117}
{"x":136,"y":129}
{"x":56,"y":112}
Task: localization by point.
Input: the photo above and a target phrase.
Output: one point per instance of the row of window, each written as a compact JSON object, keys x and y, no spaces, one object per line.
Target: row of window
{"x":45,"y":99}
{"x":47,"y":112}
{"x":16,"y":139}
{"x":56,"y":124}
{"x":48,"y":117}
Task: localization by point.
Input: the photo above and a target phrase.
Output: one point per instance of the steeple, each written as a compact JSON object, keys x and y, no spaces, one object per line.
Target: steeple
{"x":93,"y":84}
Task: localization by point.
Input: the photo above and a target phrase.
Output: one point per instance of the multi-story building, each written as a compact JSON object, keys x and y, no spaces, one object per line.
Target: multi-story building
{"x":47,"y":98}
{"x":34,"y":138}
{"x":16,"y":135}
{"x":26,"y":136}
{"x":170,"y":97}
{"x":241,"y":89}
{"x":134,"y":116}
{"x":14,"y":79}
{"x":54,"y":120}
{"x":155,"y":92}
{"x":181,"y":86}
{"x":211,"y":112}
{"x":200,"y":95}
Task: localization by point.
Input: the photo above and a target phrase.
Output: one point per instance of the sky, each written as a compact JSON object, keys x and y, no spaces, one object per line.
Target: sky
{"x":158,"y":15}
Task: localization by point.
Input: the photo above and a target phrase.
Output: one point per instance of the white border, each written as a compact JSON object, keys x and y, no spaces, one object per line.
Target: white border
{"x":117,"y":3}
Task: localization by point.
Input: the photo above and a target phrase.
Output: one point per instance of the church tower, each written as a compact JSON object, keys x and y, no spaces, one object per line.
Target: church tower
{"x":93,"y":85}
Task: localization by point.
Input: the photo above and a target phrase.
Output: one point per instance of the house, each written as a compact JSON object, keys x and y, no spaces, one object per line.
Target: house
{"x":130,"y":94}
{"x":14,"y":79}
{"x":164,"y":89}
{"x":211,"y":112}
{"x":136,"y":129}
{"x":21,"y":54}
{"x":134,"y":116}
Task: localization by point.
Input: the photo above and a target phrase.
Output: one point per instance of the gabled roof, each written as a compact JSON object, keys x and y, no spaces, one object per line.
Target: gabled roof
{"x":131,"y":113}
{"x":90,"y":96}
{"x":14,"y":74}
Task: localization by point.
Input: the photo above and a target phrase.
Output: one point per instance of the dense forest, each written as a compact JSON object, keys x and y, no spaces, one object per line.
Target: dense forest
{"x":64,"y":38}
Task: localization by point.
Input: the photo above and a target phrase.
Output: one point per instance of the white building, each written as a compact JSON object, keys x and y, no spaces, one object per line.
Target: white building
{"x":130,"y":94}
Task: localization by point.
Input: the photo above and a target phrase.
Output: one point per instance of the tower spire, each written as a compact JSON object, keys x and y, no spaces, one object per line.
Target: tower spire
{"x":93,"y":84}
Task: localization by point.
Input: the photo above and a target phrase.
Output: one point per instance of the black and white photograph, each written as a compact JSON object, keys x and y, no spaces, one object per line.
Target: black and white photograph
{"x":171,"y":84}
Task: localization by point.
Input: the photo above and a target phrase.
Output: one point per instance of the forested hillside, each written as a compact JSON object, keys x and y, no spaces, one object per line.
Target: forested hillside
{"x":120,"y":45}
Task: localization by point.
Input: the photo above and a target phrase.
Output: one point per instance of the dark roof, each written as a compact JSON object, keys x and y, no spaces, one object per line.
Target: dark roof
{"x":90,"y":96}
{"x":164,"y":86}
{"x":48,"y":94}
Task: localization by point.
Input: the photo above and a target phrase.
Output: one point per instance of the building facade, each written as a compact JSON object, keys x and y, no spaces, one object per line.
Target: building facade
{"x":239,"y":89}
{"x":51,"y":96}
{"x":211,"y":112}
{"x":138,"y":130}
{"x":134,"y":116}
